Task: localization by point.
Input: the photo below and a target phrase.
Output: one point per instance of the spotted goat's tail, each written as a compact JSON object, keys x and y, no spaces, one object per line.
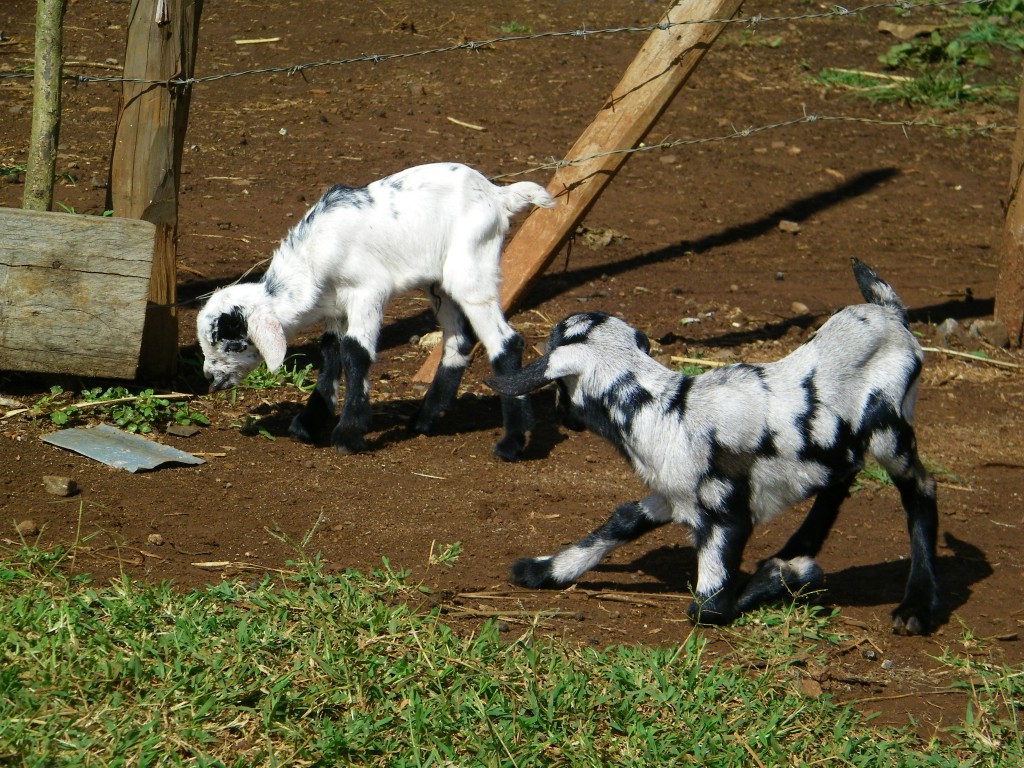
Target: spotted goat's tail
{"x":875,"y":290}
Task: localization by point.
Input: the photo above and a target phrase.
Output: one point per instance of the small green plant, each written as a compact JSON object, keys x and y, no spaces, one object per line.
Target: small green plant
{"x":514,"y":28}
{"x":250,"y":428}
{"x":445,"y":554}
{"x":872,"y":475}
{"x":138,"y":413}
{"x":944,"y":68}
{"x":261,"y":378}
{"x":693,"y":366}
{"x":70,"y":209}
{"x":12,"y":172}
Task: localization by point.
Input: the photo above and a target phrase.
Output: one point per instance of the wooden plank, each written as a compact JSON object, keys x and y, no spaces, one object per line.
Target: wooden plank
{"x":148,"y":142}
{"x":659,"y":70}
{"x":73,"y":292}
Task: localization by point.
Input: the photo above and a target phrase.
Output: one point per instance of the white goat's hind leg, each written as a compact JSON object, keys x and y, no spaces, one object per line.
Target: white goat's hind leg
{"x":505,"y":351}
{"x":628,"y":522}
{"x":457,"y":342}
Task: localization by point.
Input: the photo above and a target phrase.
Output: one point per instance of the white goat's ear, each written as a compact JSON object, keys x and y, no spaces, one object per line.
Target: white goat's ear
{"x":534,"y":376}
{"x":267,"y":334}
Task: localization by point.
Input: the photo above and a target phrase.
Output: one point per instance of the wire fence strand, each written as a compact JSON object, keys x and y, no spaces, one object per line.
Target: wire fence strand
{"x":752,"y":22}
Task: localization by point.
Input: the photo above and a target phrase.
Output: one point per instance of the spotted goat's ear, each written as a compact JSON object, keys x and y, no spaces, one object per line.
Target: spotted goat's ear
{"x":643,"y":342}
{"x":534,"y":376}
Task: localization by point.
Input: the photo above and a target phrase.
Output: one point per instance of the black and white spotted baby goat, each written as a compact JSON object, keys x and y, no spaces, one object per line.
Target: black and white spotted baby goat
{"x":728,"y":449}
{"x":438,"y":227}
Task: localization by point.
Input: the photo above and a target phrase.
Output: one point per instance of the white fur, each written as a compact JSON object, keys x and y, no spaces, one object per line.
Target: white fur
{"x":440,"y":224}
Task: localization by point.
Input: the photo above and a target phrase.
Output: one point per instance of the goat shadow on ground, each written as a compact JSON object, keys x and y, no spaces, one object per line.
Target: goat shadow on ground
{"x":470,"y":413}
{"x":675,"y":568}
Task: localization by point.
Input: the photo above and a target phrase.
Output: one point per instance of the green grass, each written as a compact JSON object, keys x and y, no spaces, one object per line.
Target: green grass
{"x":947,"y":67}
{"x":285,"y":376}
{"x":311,"y":668}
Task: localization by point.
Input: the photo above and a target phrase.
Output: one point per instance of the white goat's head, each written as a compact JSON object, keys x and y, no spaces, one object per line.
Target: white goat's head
{"x":237,"y":330}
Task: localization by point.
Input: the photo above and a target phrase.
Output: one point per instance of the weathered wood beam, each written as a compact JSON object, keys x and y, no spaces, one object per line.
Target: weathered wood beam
{"x":659,"y":70}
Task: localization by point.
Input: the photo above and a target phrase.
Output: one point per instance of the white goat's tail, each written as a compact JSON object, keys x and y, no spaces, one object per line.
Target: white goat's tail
{"x":517,"y":196}
{"x":875,"y":289}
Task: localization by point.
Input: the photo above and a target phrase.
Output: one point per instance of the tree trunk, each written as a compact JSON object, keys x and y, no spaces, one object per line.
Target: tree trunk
{"x":1010,"y":284}
{"x":46,"y":83}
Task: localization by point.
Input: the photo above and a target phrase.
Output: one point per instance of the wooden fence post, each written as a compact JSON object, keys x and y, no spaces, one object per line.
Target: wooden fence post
{"x":146,"y":161}
{"x":46,"y":90}
{"x":1010,"y":283}
{"x":659,"y":70}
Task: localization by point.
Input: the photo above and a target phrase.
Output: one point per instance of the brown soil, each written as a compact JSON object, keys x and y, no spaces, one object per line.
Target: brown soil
{"x":694,"y":235}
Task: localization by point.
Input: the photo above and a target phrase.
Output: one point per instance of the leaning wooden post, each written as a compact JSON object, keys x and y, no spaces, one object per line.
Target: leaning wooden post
{"x":146,"y":162}
{"x":1010,"y":283}
{"x":46,"y":83}
{"x":660,"y":69}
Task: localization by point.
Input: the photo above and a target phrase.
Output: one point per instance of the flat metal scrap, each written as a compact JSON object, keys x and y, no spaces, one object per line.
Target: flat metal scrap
{"x":120,"y":449}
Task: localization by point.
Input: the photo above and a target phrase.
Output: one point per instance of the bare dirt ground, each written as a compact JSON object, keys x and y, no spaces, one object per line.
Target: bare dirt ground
{"x":690,"y":233}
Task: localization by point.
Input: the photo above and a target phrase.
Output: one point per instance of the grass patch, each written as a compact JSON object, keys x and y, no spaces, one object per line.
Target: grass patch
{"x":260,"y":379}
{"x":947,"y":66}
{"x":311,"y":668}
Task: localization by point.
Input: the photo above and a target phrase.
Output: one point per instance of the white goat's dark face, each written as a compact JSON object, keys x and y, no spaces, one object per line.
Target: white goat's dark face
{"x":229,"y":355}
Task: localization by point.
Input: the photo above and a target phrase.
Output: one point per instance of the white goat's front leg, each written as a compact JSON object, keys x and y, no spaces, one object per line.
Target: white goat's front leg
{"x":628,"y":522}
{"x":358,"y":349}
{"x":323,"y":400}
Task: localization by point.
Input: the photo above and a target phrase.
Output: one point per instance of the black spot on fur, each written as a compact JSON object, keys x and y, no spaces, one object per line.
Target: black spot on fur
{"x":230,"y":325}
{"x":341,"y":196}
{"x":625,"y":397}
{"x":272,"y":284}
{"x":578,"y":333}
{"x":678,"y":401}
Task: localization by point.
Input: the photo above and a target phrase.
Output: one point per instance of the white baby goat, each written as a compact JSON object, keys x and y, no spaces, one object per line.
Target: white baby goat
{"x":438,"y":227}
{"x":734,"y":446}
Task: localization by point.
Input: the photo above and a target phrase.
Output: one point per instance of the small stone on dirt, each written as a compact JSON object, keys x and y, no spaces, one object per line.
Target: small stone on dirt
{"x":991,"y":331}
{"x":799,"y":308}
{"x":155,"y":540}
{"x":951,"y":333}
{"x":60,"y":486}
{"x":181,"y":430}
{"x":27,"y":528}
{"x":789,"y":226}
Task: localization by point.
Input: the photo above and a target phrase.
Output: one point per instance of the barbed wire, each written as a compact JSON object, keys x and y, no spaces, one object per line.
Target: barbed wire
{"x":753,"y":22}
{"x":743,"y":133}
